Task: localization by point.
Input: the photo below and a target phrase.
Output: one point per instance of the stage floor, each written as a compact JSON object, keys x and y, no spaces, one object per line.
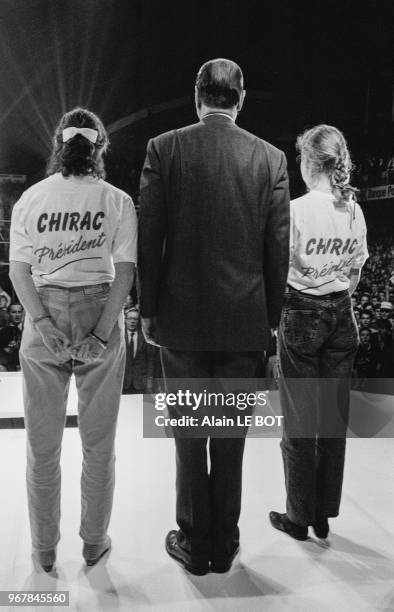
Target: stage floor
{"x":354,"y":572}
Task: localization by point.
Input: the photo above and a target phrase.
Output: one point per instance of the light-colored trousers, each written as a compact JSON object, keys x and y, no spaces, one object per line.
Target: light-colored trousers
{"x":45,"y":392}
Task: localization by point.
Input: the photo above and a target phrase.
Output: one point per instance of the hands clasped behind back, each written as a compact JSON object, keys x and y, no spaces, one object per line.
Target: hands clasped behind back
{"x":87,"y":350}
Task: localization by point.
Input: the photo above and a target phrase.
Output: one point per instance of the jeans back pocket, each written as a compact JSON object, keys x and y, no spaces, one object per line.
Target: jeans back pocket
{"x":300,"y":326}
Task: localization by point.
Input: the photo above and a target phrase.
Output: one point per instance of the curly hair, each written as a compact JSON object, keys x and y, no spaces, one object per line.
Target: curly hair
{"x":325,"y":151}
{"x":78,"y":156}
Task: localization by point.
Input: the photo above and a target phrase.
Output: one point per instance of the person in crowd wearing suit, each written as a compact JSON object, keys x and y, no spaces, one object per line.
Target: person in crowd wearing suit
{"x":139,"y":369}
{"x":214,"y":253}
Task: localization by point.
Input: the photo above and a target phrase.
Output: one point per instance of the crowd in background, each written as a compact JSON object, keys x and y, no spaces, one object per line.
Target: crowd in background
{"x":10,"y":192}
{"x":373,"y":306}
{"x":374,"y":170}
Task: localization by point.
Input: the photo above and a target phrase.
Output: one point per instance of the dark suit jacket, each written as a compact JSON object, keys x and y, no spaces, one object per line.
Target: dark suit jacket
{"x":138,"y":368}
{"x":213,"y":237}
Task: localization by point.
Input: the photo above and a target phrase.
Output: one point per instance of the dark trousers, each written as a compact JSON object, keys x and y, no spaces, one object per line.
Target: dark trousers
{"x":317,"y":343}
{"x":208,"y":502}
{"x":131,"y":390}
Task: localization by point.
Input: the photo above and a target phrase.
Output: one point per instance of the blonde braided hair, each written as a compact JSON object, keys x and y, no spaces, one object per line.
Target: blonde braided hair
{"x":325,"y":151}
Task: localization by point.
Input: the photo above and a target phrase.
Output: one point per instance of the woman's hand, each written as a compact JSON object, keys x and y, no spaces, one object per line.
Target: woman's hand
{"x":89,"y":349}
{"x":54,"y":339}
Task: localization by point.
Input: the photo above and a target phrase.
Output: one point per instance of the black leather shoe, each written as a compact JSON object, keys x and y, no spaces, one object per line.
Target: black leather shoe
{"x":321,"y":528}
{"x":46,"y":559}
{"x":283,"y":523}
{"x":92,"y":553}
{"x":176,"y":552}
{"x":221,"y":566}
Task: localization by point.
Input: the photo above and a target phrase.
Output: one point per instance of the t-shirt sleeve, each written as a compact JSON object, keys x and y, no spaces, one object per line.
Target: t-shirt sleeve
{"x":125,"y":241}
{"x":362,"y":250}
{"x":21,"y":246}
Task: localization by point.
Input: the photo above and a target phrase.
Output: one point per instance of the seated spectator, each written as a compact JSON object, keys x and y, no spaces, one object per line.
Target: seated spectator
{"x":129,"y":303}
{"x":357,"y":314}
{"x":12,"y":334}
{"x":364,"y":301}
{"x":3,"y":303}
{"x":386,"y":310}
{"x":365,"y":320}
{"x":374,"y":326}
{"x":3,"y":318}
{"x":16,"y":315}
{"x":9,"y":349}
{"x":387,"y":355}
{"x":5,"y":299}
{"x":376,"y":313}
{"x":369,"y":308}
{"x":367,"y":361}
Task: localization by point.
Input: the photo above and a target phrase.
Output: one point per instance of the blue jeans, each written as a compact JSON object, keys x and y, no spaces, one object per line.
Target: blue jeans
{"x":45,"y":391}
{"x":317,"y":344}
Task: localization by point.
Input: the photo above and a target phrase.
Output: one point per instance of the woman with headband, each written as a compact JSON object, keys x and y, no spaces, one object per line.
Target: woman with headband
{"x":318,"y":336}
{"x":72,"y":262}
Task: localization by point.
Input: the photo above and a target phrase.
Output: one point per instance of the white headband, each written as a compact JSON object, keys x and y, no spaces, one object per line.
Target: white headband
{"x":70,"y":132}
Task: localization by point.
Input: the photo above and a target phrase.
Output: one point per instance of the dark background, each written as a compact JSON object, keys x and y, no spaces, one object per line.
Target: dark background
{"x":304,"y":62}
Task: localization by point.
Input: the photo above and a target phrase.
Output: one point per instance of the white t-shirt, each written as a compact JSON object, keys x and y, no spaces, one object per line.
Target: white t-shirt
{"x":72,"y":230}
{"x":327,"y":240}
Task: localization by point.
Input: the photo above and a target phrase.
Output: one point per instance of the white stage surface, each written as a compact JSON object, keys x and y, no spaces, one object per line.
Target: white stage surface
{"x":11,"y":401}
{"x":353,"y":572}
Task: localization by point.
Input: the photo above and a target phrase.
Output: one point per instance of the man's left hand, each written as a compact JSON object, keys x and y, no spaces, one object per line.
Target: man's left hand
{"x":148,"y":325}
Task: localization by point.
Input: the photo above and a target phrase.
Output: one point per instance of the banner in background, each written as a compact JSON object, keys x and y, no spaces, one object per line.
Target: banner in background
{"x":383,"y":192}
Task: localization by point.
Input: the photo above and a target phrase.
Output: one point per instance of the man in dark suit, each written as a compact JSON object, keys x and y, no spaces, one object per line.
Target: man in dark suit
{"x":138,"y":377}
{"x":214,"y":236}
{"x":13,"y":331}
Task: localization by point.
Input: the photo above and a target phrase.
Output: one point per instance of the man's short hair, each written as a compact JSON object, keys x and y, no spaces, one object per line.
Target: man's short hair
{"x":219,"y":83}
{"x":132,"y":310}
{"x":14,"y":304}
